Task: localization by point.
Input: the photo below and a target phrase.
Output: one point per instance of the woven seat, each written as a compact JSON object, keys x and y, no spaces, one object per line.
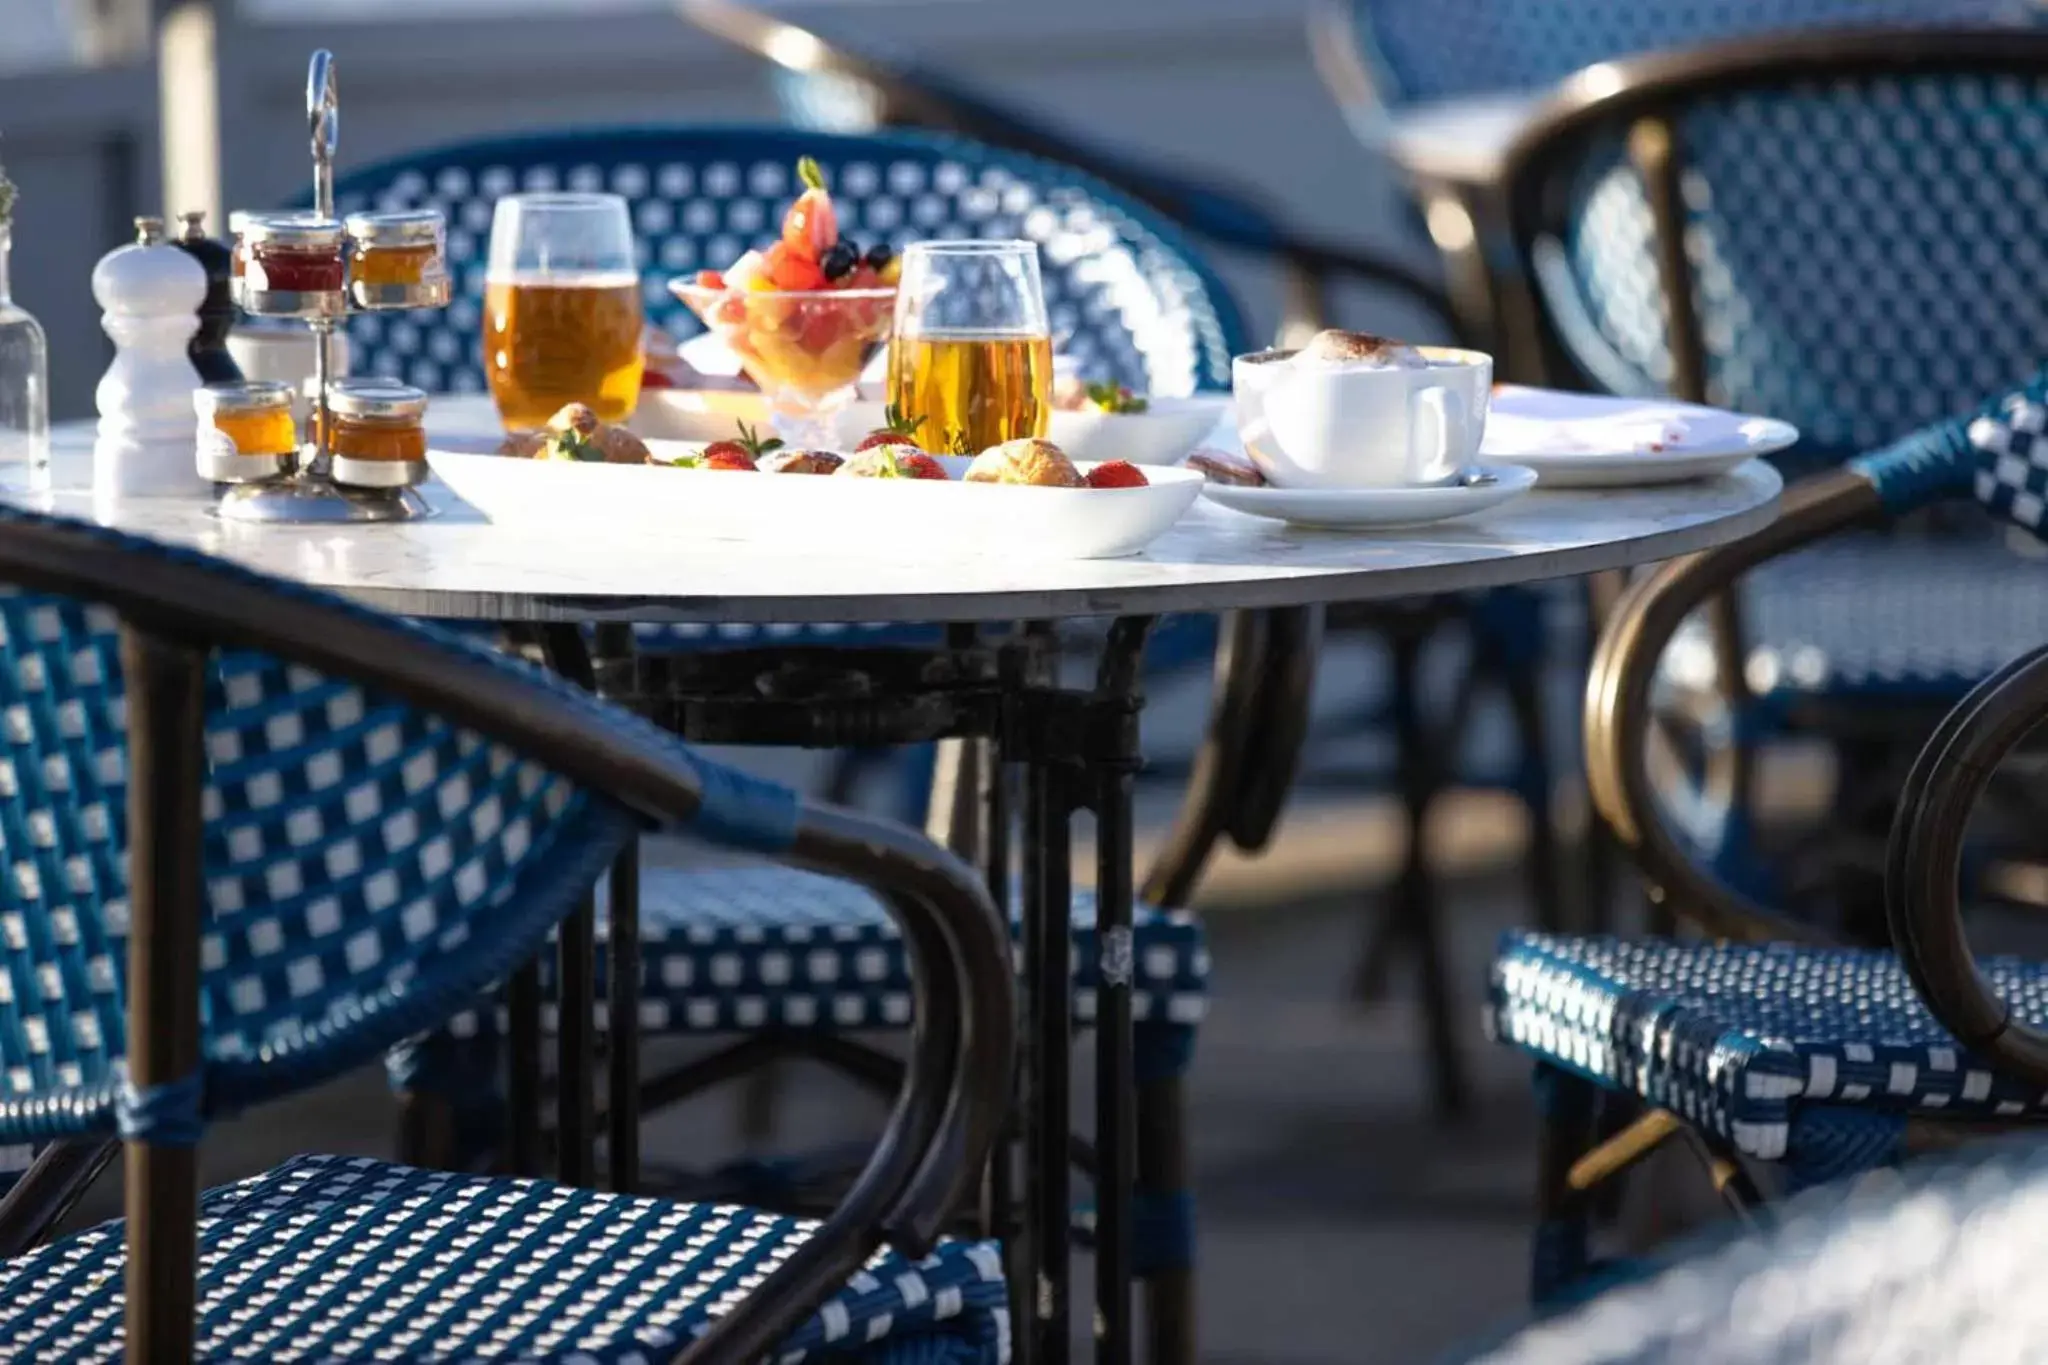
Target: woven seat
{"x":333,"y":1258}
{"x":733,"y":949}
{"x":1765,"y":1046}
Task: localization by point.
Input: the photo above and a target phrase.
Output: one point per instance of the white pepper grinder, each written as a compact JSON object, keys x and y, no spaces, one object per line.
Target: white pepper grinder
{"x":149,"y":292}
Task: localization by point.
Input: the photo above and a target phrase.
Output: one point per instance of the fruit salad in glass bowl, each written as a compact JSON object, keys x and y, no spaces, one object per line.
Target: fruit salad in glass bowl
{"x":804,"y":315}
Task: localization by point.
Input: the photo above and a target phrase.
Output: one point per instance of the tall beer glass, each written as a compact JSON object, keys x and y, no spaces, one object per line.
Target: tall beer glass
{"x":562,"y":307}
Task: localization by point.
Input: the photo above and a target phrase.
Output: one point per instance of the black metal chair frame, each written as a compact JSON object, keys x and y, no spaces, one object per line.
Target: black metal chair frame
{"x":173,"y":612}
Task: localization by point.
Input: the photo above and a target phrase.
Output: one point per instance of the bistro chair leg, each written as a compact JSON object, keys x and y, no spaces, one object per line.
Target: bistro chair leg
{"x":159,"y":1107}
{"x":1417,"y":907}
{"x":1532,"y":734}
{"x":1565,"y":1109}
{"x":1163,"y":1191}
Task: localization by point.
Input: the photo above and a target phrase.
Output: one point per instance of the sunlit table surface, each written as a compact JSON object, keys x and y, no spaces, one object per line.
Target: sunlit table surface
{"x":459,"y":565}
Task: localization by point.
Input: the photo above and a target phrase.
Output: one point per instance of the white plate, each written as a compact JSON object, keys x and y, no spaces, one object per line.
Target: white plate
{"x":1576,"y":440}
{"x":810,"y":514}
{"x":1161,"y":435}
{"x":1355,"y":508}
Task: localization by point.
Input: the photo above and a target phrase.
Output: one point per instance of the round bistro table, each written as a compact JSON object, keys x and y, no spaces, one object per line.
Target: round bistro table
{"x":458,"y":566}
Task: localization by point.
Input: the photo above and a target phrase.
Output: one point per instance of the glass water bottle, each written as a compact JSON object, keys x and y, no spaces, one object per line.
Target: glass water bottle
{"x":24,"y":371}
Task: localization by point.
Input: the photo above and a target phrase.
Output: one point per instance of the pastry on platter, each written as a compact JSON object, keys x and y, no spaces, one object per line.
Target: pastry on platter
{"x":1026,"y":460}
{"x":574,"y":434}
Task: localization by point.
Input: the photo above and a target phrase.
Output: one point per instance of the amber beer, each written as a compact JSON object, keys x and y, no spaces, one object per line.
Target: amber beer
{"x":973,"y":389}
{"x":550,"y":340}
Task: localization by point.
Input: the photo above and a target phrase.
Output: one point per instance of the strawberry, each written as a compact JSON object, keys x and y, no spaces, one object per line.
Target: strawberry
{"x":895,"y":431}
{"x":710,"y":279}
{"x":811,"y":226}
{"x":739,"y":453}
{"x":915,"y":464}
{"x":790,"y":270}
{"x":1117,"y":474}
{"x":651,"y":378}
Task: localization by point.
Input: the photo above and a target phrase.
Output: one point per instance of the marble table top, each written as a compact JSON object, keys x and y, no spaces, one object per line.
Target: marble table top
{"x":458,"y":565}
{"x":1464,"y":141}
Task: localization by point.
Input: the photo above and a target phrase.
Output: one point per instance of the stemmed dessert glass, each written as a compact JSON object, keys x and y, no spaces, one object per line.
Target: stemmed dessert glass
{"x":805,"y":349}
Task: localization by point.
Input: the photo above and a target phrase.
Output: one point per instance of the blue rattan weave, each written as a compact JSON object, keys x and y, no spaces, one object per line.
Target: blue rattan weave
{"x":367,"y":865}
{"x":1440,"y":49}
{"x":1752,"y":1043}
{"x":1866,"y":253}
{"x":1127,"y":296}
{"x":329,"y":1258}
{"x":736,"y":949}
{"x":364,"y":862}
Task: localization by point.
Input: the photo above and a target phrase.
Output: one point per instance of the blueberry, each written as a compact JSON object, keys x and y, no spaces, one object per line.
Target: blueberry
{"x":879,"y":255}
{"x":839,"y":260}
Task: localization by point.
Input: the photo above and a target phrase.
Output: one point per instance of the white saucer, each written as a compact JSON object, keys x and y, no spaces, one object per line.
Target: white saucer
{"x":1576,"y":440}
{"x":1481,"y":487}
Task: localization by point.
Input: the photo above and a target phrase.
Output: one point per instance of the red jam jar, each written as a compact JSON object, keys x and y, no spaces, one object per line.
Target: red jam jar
{"x":293,"y":255}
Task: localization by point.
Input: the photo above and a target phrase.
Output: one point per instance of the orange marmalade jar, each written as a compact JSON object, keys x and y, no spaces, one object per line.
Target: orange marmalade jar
{"x":377,"y":432}
{"x":396,"y":260}
{"x":246,"y":433}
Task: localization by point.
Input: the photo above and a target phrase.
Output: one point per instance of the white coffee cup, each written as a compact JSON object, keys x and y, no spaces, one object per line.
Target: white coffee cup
{"x":1354,"y":425}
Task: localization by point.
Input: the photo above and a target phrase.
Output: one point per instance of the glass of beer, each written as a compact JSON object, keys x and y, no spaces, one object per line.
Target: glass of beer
{"x":972,"y":355}
{"x":562,"y":308}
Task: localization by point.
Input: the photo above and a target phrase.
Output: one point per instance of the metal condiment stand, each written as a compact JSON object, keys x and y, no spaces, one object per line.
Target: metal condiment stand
{"x":309,"y":493}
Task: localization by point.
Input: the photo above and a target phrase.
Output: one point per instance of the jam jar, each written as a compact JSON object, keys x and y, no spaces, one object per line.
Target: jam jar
{"x":377,"y":439}
{"x":396,"y":260}
{"x":292,"y":267}
{"x":246,"y":433}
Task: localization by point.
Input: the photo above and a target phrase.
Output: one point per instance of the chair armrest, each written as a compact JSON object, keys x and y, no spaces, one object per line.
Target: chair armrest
{"x":1923,"y":865}
{"x":1282,"y":716}
{"x":1617,"y":708}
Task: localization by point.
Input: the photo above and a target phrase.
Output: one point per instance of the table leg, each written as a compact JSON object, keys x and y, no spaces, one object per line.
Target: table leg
{"x":1046,"y":1106}
{"x":1115,"y":1066}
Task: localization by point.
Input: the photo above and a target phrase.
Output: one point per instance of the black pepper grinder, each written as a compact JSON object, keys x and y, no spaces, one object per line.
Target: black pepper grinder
{"x":209,"y":348}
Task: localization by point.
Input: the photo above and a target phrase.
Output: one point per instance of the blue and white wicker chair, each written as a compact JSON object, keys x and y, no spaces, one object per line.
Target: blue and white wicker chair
{"x":1935,"y":1263}
{"x":257,"y":836}
{"x":1834,"y":229}
{"x":1766,"y":1044}
{"x":750,"y":951}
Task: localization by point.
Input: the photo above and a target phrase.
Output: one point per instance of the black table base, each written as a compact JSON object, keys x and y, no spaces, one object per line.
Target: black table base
{"x":1067,"y":749}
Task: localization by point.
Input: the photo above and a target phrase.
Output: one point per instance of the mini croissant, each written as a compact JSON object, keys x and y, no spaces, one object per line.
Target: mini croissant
{"x":1028,"y":461}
